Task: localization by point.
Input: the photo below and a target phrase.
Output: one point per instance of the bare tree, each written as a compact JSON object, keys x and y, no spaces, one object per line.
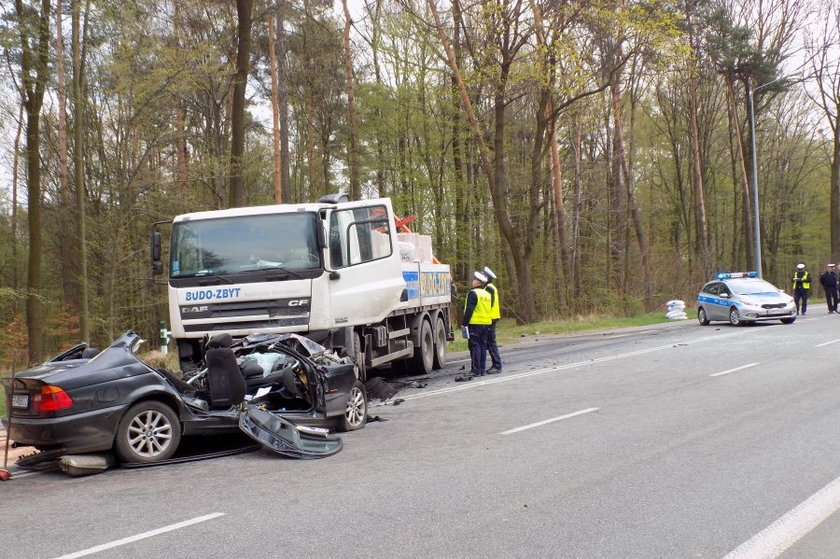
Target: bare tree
{"x":78,"y":35}
{"x":34,"y":33}
{"x":822,"y":47}
{"x":237,"y":152}
{"x":353,"y":147}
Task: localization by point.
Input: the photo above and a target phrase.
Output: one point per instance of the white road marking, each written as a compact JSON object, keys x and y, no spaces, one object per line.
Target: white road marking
{"x":144,"y":535}
{"x":828,"y":343}
{"x":787,"y":530}
{"x":741,"y":368}
{"x":547,"y":421}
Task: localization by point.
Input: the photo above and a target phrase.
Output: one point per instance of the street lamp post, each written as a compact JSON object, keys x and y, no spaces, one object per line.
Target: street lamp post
{"x":756,"y":222}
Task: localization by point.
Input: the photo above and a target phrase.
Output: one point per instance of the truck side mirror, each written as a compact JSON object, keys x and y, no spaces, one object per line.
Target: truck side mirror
{"x":322,"y":237}
{"x":155,"y":246}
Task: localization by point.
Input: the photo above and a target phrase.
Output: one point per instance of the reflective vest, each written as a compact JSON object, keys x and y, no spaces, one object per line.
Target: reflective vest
{"x":496,"y":310}
{"x":803,"y":281}
{"x":482,"y":313}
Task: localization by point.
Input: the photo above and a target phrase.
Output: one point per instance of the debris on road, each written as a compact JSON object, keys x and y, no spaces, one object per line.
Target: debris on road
{"x":85,"y":464}
{"x":378,"y":388}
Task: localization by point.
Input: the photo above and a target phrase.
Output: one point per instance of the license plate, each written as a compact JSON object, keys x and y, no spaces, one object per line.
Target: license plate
{"x":20,"y":400}
{"x":777,"y":311}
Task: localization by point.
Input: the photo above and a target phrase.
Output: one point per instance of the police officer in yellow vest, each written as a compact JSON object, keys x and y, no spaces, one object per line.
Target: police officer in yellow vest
{"x":496,"y":314}
{"x":476,"y":323}
{"x":801,"y":288}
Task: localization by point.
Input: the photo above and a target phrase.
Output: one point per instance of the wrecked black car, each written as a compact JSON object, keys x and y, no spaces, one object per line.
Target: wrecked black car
{"x":282,"y":390}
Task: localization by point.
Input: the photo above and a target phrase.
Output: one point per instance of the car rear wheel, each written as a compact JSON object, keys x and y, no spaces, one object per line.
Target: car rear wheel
{"x":148,"y":432}
{"x":701,"y":317}
{"x":735,"y":317}
{"x":440,"y":344}
{"x":355,"y":411}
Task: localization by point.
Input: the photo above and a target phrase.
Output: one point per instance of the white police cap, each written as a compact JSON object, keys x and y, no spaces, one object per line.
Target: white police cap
{"x":480,"y":277}
{"x":489,"y":273}
{"x":800,"y":266}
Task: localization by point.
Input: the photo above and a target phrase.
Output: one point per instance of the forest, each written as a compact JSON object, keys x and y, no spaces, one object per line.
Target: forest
{"x":602,"y":156}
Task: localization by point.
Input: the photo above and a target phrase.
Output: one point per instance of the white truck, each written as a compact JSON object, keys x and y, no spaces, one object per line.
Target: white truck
{"x":336,"y":271}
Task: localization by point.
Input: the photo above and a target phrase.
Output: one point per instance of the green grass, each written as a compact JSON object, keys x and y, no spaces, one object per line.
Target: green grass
{"x":508,"y":332}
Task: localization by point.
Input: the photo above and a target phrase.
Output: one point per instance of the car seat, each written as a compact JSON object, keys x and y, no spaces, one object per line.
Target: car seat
{"x":219,"y":340}
{"x":225,"y":383}
{"x":253,"y":374}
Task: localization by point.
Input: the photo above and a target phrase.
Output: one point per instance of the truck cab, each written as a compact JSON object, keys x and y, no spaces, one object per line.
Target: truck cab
{"x":331,"y":270}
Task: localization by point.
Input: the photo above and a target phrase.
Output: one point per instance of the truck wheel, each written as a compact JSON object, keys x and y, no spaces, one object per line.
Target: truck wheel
{"x":359,"y":356}
{"x":424,"y":355}
{"x":440,"y":344}
{"x":149,"y":431}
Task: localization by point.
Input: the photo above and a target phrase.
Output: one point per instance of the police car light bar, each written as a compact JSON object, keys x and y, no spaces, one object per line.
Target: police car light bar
{"x":731,"y":275}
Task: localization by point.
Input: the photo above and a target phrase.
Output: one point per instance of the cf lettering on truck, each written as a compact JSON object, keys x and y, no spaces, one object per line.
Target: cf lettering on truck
{"x":336,"y":271}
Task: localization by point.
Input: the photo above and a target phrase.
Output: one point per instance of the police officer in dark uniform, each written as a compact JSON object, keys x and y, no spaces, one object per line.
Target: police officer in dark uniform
{"x":476,"y":323}
{"x":496,"y":313}
{"x":801,"y":288}
{"x":828,"y":280}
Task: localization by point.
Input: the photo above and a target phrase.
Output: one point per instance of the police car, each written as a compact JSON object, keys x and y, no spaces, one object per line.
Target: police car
{"x":743,"y":297}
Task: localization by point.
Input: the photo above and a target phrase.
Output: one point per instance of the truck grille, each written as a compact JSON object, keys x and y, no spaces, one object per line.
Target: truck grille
{"x":253,"y":314}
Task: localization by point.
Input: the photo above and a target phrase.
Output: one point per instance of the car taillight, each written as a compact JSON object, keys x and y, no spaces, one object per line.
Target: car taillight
{"x":51,"y":398}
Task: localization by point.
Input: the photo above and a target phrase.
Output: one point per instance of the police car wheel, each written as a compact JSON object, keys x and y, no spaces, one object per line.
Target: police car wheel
{"x":701,"y":317}
{"x":734,"y":317}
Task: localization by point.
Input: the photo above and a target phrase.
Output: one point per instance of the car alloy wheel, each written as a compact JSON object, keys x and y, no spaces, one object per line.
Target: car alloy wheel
{"x":734,"y":317}
{"x":148,"y":432}
{"x":701,"y":317}
{"x":355,"y":411}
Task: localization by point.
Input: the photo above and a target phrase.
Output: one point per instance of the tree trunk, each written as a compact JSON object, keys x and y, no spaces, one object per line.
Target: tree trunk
{"x":180,"y":120}
{"x":635,"y":213}
{"x":835,"y":185}
{"x":78,"y":39}
{"x":463,"y":196}
{"x":275,"y":116}
{"x":577,"y":287}
{"x":33,"y":97}
{"x":237,"y":152}
{"x":740,"y":154}
{"x":283,"y":100}
{"x":352,"y":152}
{"x":14,"y":224}
{"x":70,"y":287}
{"x":696,"y":161}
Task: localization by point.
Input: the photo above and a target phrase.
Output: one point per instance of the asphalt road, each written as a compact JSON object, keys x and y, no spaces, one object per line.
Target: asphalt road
{"x":674,"y":441}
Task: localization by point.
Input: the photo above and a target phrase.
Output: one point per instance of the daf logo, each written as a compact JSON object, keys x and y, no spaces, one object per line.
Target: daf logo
{"x":188,"y":310}
{"x":298,"y":302}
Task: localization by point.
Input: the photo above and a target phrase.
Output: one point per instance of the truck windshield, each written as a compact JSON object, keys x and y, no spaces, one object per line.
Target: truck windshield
{"x":233,"y":245}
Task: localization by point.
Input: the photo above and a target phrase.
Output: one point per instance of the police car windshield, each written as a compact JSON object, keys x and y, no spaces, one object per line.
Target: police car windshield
{"x":211,"y":247}
{"x":751,"y":286}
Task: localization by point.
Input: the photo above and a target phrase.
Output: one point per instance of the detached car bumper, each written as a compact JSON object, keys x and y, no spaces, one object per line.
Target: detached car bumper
{"x":80,"y":432}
